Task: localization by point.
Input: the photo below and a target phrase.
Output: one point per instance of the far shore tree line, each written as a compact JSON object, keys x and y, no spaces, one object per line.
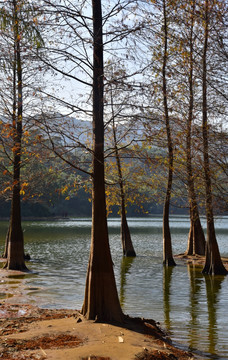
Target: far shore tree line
{"x":151,"y":79}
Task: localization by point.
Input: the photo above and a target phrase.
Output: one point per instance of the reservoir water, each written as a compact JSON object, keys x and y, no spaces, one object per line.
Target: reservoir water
{"x":191,"y":306}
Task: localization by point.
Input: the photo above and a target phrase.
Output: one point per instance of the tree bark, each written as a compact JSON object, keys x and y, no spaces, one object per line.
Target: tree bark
{"x":213,"y":263}
{"x":167,"y":245}
{"x":127,"y":245}
{"x":196,"y":238}
{"x":101,"y":300}
{"x":128,"y":249}
{"x":15,"y":238}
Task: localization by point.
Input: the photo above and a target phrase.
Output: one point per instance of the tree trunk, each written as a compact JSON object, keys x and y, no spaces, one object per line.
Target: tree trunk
{"x":101,"y":300}
{"x":127,"y":245}
{"x":196,"y":238}
{"x":128,"y":249}
{"x":5,"y":254}
{"x":15,"y":238}
{"x":15,"y":249}
{"x":213,"y":263}
{"x":168,"y":259}
{"x":167,"y":245}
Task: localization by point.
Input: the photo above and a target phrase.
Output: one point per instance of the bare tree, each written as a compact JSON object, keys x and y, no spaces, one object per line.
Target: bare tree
{"x":101,"y":300}
{"x":167,"y":245}
{"x":18,"y":52}
{"x":213,"y":263}
{"x":14,"y":251}
{"x":196,"y":238}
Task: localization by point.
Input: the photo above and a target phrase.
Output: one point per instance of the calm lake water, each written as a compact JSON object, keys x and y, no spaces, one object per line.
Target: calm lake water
{"x":192,"y":307}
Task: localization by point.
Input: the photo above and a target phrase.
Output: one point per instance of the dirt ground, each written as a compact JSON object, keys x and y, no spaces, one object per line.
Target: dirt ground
{"x":28,"y":332}
{"x":198,"y":260}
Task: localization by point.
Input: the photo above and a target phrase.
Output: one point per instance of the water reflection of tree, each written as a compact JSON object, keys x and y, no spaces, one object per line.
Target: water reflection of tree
{"x":195,"y":277}
{"x":167,"y":276}
{"x":125,"y":267}
{"x":213,"y":286}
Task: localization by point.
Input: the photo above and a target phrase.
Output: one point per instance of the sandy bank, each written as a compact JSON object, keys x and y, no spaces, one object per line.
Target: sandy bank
{"x":28,"y":332}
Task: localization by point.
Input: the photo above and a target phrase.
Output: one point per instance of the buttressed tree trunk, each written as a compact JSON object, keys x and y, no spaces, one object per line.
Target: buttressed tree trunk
{"x":15,"y":238}
{"x":101,"y":300}
{"x":167,"y":245}
{"x":213,"y":263}
{"x":15,"y":249}
{"x":196,"y":238}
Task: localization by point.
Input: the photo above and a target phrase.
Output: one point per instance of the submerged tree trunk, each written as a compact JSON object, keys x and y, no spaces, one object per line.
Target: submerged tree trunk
{"x":101,"y":300}
{"x":127,"y":245}
{"x":15,"y":238}
{"x":128,"y":249}
{"x":15,"y":249}
{"x":167,"y":245}
{"x":168,"y":259}
{"x":196,"y":238}
{"x":213,"y":262}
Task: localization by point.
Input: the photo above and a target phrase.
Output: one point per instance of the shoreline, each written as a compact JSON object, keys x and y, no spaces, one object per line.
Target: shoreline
{"x":33,"y":333}
{"x":198,"y":260}
{"x":28,"y":332}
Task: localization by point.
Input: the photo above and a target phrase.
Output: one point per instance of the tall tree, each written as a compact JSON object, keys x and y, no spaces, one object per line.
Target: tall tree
{"x":167,"y":245}
{"x":196,"y":238}
{"x":101,"y":300}
{"x":213,"y":263}
{"x":20,"y":37}
{"x":127,"y":245}
{"x":15,"y":238}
